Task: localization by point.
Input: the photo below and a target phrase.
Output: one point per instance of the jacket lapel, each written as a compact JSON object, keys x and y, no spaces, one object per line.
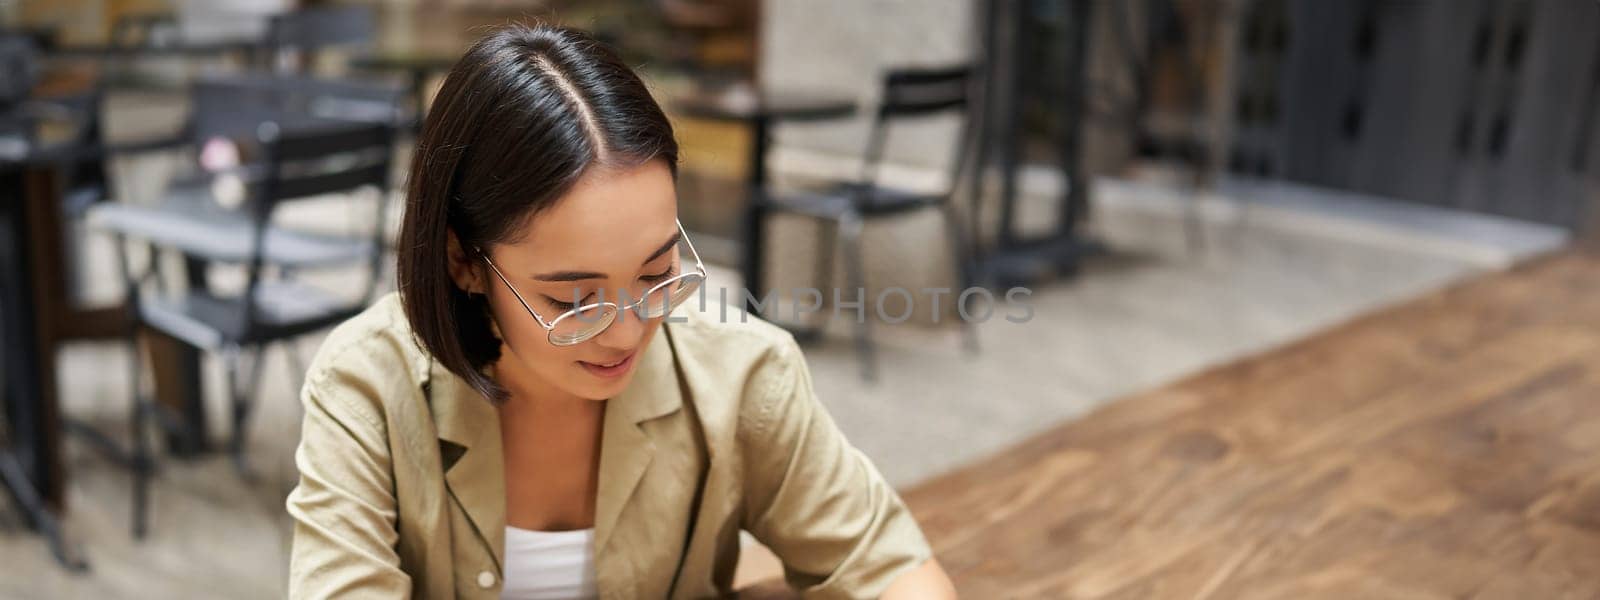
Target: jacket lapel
{"x":469,"y":442}
{"x":474,"y":466}
{"x":626,"y":448}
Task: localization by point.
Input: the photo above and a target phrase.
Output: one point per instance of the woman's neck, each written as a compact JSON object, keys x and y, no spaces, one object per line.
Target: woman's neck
{"x":529,"y":394}
{"x":551,"y":445}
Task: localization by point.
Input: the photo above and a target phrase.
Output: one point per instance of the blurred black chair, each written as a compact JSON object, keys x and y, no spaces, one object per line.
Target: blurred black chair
{"x":45,"y":38}
{"x":21,"y":113}
{"x":85,"y":174}
{"x":309,"y":138}
{"x":908,"y":94}
{"x":19,"y":69}
{"x":304,"y":33}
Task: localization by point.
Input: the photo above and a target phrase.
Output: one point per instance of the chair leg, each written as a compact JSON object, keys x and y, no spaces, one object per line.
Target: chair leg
{"x":239,"y":411}
{"x":297,"y":374}
{"x":827,"y":245}
{"x":139,"y":443}
{"x":297,"y":368}
{"x":1194,"y":226}
{"x":1194,"y":233}
{"x":961,"y":251}
{"x":850,"y":239}
{"x":139,"y":459}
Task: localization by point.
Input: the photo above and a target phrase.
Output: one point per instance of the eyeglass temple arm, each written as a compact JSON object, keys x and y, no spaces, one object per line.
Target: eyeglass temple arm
{"x":696,"y":253}
{"x":513,"y":289}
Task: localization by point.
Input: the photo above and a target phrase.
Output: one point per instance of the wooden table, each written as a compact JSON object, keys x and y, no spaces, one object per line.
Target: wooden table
{"x":1447,"y":448}
{"x":761,"y":110}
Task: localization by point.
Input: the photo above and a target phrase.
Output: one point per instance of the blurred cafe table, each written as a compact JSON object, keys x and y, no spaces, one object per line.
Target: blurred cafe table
{"x":33,"y":319}
{"x":761,"y":110}
{"x":244,"y":50}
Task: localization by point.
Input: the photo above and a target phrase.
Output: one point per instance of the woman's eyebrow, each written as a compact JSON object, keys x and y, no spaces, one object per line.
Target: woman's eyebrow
{"x":568,"y":276}
{"x":581,"y":275}
{"x":672,"y":241}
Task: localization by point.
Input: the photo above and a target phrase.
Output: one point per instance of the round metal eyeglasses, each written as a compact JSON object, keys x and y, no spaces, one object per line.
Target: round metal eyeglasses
{"x":584,"y":322}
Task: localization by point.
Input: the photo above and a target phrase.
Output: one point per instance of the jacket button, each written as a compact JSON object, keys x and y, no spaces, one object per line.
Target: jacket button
{"x":485,"y":579}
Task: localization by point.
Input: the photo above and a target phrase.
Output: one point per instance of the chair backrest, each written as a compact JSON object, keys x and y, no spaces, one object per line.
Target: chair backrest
{"x":309,"y":137}
{"x":21,"y":114}
{"x":236,"y":105}
{"x":18,"y":68}
{"x":325,"y":157}
{"x":908,"y":92}
{"x":308,"y":30}
{"x":916,"y":93}
{"x":90,"y":171}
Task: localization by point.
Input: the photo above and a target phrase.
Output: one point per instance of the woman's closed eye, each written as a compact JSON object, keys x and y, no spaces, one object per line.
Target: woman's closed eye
{"x":662,"y":276}
{"x":671,"y":272}
{"x":565,"y":306}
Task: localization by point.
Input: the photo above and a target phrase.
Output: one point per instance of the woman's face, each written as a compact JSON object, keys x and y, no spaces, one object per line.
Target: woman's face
{"x":612,"y":236}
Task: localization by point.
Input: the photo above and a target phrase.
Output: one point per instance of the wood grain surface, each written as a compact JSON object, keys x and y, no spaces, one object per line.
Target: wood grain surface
{"x":1445,"y":448}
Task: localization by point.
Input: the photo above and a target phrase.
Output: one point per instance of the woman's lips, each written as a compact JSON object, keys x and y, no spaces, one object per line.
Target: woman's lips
{"x":609,"y":371}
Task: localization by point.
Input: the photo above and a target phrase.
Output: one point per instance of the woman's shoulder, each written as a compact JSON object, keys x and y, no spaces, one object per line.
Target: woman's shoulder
{"x":373,"y":354}
{"x":742,"y":371}
{"x":730,"y":341}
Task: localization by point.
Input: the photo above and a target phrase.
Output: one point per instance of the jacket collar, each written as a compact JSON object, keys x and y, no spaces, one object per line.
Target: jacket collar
{"x":470,"y":453}
{"x":469,"y":442}
{"x":627,"y":447}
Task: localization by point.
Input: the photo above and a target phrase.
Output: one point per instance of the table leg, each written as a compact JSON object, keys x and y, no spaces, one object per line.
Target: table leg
{"x":39,"y":514}
{"x":30,"y":464}
{"x":753,"y":253}
{"x":176,"y":369}
{"x":419,"y":94}
{"x":41,"y":191}
{"x":176,"y":366}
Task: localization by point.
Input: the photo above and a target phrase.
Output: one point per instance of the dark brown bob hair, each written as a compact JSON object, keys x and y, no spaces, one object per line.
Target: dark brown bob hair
{"x":519,"y":119}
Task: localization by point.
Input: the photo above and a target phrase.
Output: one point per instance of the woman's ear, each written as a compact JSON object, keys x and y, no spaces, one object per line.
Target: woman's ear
{"x":464,"y":269}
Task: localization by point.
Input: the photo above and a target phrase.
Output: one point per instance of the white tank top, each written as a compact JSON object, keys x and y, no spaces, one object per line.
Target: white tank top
{"x":549,"y":565}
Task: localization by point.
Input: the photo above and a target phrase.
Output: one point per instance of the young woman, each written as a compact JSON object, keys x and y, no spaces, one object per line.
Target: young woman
{"x":529,"y":417}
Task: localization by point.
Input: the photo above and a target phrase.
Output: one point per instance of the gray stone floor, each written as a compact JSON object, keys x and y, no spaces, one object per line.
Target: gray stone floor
{"x":1152,"y":310}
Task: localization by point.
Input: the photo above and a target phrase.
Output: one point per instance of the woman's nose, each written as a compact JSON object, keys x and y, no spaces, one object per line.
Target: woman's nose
{"x":625,"y":330}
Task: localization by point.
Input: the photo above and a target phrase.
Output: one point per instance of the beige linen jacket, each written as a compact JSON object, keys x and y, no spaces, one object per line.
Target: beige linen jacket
{"x":402,"y":490}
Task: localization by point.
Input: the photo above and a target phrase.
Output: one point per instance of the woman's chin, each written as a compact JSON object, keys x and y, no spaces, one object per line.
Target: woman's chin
{"x":589,"y":387}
